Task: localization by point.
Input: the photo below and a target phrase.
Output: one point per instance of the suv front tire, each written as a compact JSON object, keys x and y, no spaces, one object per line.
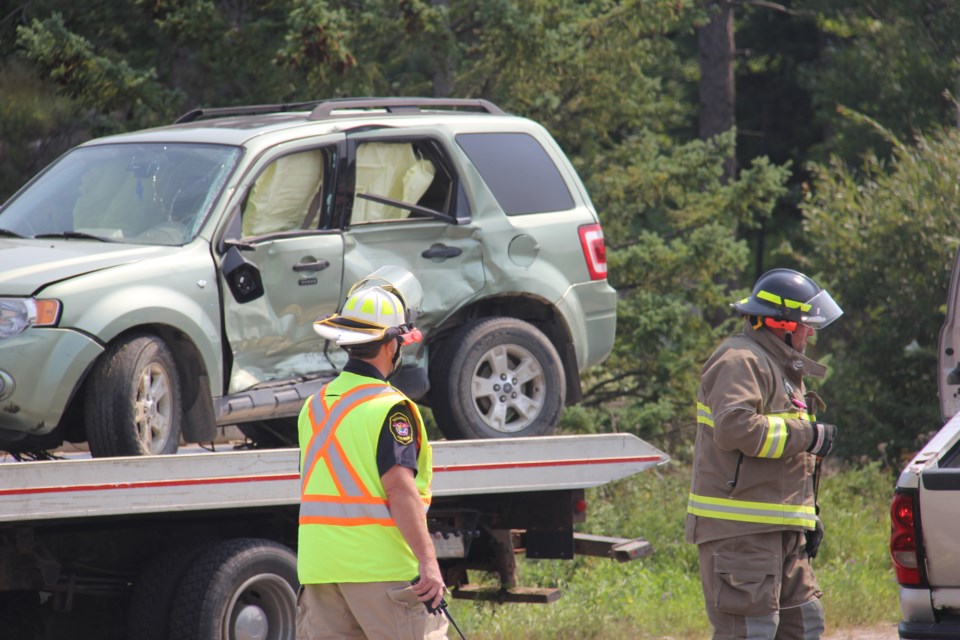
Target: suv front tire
{"x":134,"y":401}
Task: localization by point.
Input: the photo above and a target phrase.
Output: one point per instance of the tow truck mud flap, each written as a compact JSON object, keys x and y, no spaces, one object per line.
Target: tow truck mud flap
{"x":549,"y":544}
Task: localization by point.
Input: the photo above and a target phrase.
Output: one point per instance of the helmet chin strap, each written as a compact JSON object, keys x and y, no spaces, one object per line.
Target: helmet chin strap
{"x":396,"y":357}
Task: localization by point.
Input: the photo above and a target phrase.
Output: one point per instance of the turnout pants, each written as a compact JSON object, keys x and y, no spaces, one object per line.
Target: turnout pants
{"x":761,"y":587}
{"x":365,"y":611}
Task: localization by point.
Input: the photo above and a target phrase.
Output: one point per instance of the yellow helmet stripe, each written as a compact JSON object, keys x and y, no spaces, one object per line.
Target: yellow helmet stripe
{"x":784,"y":302}
{"x":770,"y":297}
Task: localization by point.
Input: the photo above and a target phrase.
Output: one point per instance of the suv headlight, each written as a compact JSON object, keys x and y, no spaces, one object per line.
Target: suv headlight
{"x":19,"y":314}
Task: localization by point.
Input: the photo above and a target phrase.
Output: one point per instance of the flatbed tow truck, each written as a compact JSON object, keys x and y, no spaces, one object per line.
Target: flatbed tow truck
{"x":201,"y":544}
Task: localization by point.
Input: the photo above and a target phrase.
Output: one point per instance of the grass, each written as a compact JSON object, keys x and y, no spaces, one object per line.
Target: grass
{"x":660,"y":597}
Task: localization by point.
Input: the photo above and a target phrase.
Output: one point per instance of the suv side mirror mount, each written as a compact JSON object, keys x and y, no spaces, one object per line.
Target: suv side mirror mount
{"x":242,"y":276}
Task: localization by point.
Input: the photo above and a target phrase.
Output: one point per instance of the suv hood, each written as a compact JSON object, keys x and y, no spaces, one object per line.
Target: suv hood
{"x":27,"y":265}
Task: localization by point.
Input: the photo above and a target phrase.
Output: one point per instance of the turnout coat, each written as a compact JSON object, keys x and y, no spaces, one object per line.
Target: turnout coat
{"x":751,"y":470}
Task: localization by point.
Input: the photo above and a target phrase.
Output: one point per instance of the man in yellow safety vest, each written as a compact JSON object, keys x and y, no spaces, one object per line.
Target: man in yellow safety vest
{"x":366,"y":468}
{"x":752,"y":506}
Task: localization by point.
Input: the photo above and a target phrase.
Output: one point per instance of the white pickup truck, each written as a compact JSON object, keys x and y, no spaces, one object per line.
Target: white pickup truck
{"x":201,"y":546}
{"x":925,"y":514}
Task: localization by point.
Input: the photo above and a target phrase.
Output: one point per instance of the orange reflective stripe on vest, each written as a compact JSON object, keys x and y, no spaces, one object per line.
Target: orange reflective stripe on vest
{"x":333,"y":510}
{"x":325,"y":422}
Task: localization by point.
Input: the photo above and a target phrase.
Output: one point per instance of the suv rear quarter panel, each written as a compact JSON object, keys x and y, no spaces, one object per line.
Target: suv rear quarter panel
{"x":557,"y":274}
{"x":539,"y":255}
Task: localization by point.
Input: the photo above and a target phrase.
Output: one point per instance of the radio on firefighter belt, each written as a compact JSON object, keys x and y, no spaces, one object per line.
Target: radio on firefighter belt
{"x":441,"y":609}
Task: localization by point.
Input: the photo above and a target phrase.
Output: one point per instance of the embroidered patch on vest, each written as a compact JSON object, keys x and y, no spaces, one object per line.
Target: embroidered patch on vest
{"x":400,"y":428}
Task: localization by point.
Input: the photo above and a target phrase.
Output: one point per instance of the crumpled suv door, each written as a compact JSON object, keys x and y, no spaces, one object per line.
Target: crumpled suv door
{"x":284,"y":270}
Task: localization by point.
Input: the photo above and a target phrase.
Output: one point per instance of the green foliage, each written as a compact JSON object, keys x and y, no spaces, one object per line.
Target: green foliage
{"x":884,"y":238}
{"x":894,"y":61}
{"x":317,"y":43}
{"x":670,"y":225}
{"x":216,"y":53}
{"x":36,"y":125}
{"x":595,"y":74}
{"x":854,"y":567}
{"x":105,"y":84}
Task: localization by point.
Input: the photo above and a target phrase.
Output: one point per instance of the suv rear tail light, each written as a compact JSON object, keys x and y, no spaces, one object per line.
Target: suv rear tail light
{"x":904,"y":534}
{"x":594,"y":251}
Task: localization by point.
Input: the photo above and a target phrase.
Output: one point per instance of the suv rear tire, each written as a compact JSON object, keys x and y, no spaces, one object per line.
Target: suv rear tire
{"x":497,"y":378}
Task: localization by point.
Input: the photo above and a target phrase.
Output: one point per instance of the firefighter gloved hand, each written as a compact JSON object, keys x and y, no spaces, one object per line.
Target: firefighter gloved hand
{"x":813,"y":540}
{"x":823,"y":435}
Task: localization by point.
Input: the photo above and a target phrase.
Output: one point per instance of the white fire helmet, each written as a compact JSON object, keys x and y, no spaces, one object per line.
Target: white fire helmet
{"x":372,"y":313}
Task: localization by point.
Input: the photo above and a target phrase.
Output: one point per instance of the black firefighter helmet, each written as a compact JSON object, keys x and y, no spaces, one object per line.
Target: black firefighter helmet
{"x":786,"y":295}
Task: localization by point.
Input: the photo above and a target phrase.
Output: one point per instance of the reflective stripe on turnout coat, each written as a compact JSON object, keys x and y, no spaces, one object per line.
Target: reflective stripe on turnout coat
{"x":751,"y":472}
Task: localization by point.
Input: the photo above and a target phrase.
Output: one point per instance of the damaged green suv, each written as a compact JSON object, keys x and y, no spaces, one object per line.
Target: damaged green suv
{"x":156,"y":285}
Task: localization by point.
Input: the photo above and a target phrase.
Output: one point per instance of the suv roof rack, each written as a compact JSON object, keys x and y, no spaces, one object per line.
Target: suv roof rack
{"x":251,"y":110}
{"x":322,"y":109}
{"x":326,"y":108}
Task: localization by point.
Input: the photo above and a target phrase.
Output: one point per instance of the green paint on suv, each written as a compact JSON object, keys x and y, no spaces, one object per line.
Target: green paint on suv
{"x":157,"y":284}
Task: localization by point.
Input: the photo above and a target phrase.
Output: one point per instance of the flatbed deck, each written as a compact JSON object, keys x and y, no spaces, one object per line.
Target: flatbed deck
{"x":84,"y":487}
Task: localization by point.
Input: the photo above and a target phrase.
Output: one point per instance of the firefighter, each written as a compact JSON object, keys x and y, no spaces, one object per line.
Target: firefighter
{"x":365,"y":486}
{"x":752,"y":508}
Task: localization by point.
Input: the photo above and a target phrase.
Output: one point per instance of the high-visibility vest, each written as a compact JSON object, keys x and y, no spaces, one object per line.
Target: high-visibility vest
{"x":346,"y":532}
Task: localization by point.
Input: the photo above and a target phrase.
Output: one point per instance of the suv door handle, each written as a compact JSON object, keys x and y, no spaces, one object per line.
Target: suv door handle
{"x":442,"y":251}
{"x":316,"y":265}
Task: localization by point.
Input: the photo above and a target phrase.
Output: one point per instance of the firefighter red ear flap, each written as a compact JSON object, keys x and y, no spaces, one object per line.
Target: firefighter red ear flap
{"x":786,"y":325}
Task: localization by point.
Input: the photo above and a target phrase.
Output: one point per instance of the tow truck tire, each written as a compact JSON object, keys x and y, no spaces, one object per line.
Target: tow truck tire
{"x":238,"y":589}
{"x":497,"y":378}
{"x":148,"y":614}
{"x":133,"y":403}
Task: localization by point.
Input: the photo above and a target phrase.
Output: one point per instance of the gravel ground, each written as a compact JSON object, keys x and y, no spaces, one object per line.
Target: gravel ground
{"x":886,"y":631}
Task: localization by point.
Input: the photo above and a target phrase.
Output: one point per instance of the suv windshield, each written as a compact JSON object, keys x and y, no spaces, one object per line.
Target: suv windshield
{"x":137,"y":193}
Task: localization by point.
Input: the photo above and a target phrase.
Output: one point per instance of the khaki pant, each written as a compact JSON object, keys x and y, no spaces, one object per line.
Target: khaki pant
{"x":365,"y":611}
{"x":761,"y":587}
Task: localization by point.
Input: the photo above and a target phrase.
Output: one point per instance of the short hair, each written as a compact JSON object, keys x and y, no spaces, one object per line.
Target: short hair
{"x":365,"y":350}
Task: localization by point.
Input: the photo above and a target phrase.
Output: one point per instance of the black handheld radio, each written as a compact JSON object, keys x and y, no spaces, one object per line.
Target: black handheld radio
{"x":440,"y":609}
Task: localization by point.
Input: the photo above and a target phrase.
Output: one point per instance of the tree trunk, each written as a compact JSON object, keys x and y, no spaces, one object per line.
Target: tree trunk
{"x":956,"y":102}
{"x":715,"y":41}
{"x":443,"y":59}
